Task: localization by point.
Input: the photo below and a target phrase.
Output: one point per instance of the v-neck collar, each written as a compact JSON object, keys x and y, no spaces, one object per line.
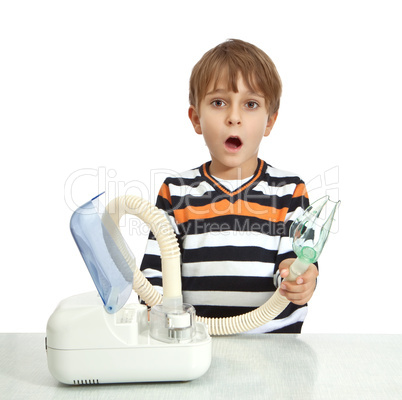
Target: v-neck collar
{"x":256,"y":176}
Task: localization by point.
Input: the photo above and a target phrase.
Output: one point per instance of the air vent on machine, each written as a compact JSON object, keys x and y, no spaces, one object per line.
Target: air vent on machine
{"x":86,"y":382}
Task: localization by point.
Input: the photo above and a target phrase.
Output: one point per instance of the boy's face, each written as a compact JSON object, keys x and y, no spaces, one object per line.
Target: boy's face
{"x":233,"y":125}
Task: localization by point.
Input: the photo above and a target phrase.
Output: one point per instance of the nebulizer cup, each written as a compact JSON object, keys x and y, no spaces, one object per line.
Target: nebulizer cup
{"x":105,"y":252}
{"x":175,"y":325}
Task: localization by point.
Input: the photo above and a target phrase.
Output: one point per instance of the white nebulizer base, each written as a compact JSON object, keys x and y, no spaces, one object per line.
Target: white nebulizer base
{"x":86,"y":345}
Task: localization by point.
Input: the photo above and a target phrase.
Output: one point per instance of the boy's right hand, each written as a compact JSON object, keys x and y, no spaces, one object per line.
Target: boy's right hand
{"x":300,"y":291}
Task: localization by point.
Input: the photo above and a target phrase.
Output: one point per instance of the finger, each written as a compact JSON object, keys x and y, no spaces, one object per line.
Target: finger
{"x":311,"y":273}
{"x":285,"y":264}
{"x":293,"y":287}
{"x":296,"y":298}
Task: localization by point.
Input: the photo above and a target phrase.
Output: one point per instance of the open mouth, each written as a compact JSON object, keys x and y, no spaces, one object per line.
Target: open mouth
{"x":233,"y":143}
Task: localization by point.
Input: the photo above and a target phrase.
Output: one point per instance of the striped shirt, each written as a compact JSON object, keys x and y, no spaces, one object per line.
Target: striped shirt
{"x":231,"y":241}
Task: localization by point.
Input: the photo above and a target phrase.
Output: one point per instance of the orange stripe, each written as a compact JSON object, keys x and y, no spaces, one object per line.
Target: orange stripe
{"x":165,"y":193}
{"x":225,"y":207}
{"x":238,"y":190}
{"x":300,"y":191}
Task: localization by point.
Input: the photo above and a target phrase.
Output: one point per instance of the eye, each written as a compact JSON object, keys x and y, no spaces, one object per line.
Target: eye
{"x":218,"y":103}
{"x":252,"y":105}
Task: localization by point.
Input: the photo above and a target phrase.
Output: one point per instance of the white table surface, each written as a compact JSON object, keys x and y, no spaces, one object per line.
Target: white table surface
{"x":306,"y":366}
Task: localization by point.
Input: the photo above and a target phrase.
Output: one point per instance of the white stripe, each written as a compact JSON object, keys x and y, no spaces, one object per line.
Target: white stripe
{"x":173,"y":223}
{"x":153,"y":248}
{"x":151,"y":273}
{"x":277,"y":279}
{"x":279,"y":191}
{"x":231,"y":238}
{"x":232,"y":299}
{"x":285,"y":245}
{"x":278,"y":173}
{"x":297,"y":316}
{"x":190,"y":174}
{"x":183,"y":190}
{"x":228,"y":268}
{"x":293,"y":215}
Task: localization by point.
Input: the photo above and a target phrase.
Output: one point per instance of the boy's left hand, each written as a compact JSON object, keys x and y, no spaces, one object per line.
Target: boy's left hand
{"x":300,"y":291}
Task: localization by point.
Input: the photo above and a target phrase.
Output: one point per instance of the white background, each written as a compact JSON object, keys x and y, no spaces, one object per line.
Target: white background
{"x":93,"y":96}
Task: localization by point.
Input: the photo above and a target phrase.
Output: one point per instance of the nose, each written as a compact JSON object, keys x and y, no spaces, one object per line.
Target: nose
{"x":234,"y":117}
{"x":234,"y":121}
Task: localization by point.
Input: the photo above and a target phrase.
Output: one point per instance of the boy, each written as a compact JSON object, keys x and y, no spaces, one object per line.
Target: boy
{"x":232,"y":215}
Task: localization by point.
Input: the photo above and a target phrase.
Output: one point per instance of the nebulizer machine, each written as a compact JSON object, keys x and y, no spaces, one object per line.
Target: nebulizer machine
{"x":100,"y":337}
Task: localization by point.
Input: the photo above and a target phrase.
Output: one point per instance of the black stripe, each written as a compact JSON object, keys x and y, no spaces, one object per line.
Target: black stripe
{"x":181,"y":181}
{"x":151,"y":261}
{"x":220,"y":311}
{"x":229,"y":253}
{"x":293,"y":328}
{"x":301,"y":201}
{"x":289,"y":310}
{"x":228,"y":284}
{"x":249,"y":195}
{"x":155,"y":281}
{"x":274,"y":181}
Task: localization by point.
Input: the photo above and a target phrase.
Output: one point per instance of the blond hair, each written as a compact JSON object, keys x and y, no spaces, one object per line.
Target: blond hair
{"x":227,"y":60}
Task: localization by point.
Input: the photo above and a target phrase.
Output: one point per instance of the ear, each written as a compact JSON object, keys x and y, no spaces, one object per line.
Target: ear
{"x":195,"y":119}
{"x":270,"y":123}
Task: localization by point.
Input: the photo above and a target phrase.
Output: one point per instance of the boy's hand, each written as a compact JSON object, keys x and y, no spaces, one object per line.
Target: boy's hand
{"x":300,"y":291}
